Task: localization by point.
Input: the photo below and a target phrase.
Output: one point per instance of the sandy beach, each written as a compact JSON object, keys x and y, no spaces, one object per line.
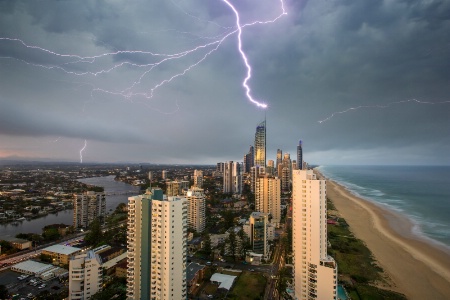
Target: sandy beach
{"x":418,"y":268}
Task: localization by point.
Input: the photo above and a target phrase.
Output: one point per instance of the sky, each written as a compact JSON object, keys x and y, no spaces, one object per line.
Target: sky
{"x":359,"y":82}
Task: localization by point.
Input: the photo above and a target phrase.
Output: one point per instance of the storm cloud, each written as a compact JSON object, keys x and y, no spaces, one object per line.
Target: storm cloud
{"x":75,"y":79}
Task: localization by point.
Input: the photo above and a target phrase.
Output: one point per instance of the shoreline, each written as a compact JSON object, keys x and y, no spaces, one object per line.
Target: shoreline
{"x":417,"y":267}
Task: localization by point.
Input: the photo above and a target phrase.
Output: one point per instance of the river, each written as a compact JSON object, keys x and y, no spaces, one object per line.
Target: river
{"x":122,"y":191}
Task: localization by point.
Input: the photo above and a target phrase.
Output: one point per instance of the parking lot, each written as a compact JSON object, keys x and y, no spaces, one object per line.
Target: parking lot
{"x":23,"y":288}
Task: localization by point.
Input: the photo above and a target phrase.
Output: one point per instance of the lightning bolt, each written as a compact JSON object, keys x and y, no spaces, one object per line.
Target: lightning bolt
{"x":379,"y":106}
{"x":99,"y":65}
{"x":82,"y":150}
{"x":127,"y":93}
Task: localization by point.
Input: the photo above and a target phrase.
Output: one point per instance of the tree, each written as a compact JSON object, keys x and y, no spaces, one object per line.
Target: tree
{"x":232,"y":243}
{"x":207,"y":244}
{"x":3,"y":292}
{"x":51,"y":234}
{"x":245,"y":243}
{"x":95,"y":235}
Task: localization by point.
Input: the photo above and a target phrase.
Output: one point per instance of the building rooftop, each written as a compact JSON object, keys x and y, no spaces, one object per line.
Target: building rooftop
{"x":31,"y":266}
{"x":192,"y":269}
{"x":225,"y":281}
{"x":61,"y":249}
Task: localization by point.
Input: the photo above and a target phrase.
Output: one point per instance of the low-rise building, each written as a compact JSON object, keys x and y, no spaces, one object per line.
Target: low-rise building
{"x":61,"y":254}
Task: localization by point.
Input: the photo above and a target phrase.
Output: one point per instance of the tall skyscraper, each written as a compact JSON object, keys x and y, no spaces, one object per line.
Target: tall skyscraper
{"x":299,"y":156}
{"x":260,"y":145}
{"x":270,"y":169}
{"x":196,"y":209}
{"x":157,"y":247}
{"x":268,"y":197}
{"x":198,"y":178}
{"x":165,"y":174}
{"x":315,"y":272}
{"x":87,"y":207}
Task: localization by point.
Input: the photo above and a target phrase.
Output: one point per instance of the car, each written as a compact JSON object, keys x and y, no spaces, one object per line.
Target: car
{"x":189,"y":260}
{"x":210,"y":296}
{"x":208,"y":263}
{"x":215,"y":265}
{"x":42,"y":286}
{"x":252,"y":270}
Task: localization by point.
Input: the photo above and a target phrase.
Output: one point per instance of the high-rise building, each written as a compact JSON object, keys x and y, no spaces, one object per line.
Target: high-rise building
{"x":286,"y":172}
{"x":268,"y":197}
{"x":198,"y":178}
{"x":157,"y":247}
{"x":165,"y":174}
{"x":299,"y":156}
{"x":279,"y":158}
{"x":270,"y":169}
{"x":87,"y":207}
{"x":258,"y":233}
{"x":315,"y":272}
{"x":220,"y":167}
{"x":150,"y":177}
{"x":232,"y":178}
{"x":255,"y":172}
{"x":249,"y":160}
{"x":85,"y":276}
{"x":172,"y":188}
{"x":196,"y":209}
{"x":260,"y":145}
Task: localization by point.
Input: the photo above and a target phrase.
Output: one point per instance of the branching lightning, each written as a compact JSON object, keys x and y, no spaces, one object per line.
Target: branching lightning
{"x":379,"y":106}
{"x":82,"y":150}
{"x":70,"y":60}
{"x":137,"y":89}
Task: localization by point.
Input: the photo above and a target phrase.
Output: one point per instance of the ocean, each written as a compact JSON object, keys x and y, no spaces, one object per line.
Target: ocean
{"x":421,"y":193}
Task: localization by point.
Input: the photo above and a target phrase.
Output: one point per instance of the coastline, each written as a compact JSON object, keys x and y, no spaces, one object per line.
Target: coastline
{"x":418,"y":268}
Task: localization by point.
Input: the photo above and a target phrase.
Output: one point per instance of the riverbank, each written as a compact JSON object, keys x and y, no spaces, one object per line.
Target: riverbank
{"x":418,"y":268}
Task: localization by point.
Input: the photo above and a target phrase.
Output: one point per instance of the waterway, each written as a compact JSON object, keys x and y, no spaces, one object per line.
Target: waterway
{"x":116,"y":192}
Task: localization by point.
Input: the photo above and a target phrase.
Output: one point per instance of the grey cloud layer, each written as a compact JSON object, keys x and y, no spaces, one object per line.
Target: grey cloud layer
{"x":323,"y":57}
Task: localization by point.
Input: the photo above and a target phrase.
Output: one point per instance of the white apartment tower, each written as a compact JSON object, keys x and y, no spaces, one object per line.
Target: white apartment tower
{"x":85,"y":276}
{"x":198,"y":178}
{"x":268,"y":197}
{"x":157,"y":247}
{"x":196,"y":209}
{"x":87,"y":207}
{"x":315,"y":273}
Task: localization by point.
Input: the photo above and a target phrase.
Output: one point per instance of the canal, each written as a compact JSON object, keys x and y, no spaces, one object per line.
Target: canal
{"x":116,"y":192}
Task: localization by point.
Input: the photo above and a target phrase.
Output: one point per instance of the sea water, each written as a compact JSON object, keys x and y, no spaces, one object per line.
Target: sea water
{"x":422,"y":193}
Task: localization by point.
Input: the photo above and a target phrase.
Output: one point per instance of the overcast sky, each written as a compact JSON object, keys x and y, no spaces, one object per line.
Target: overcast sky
{"x":123,"y":76}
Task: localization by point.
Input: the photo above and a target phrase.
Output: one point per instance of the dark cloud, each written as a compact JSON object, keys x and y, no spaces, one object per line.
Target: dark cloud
{"x":323,"y":57}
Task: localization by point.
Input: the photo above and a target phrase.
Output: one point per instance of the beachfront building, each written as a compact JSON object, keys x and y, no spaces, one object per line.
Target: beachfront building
{"x":315,"y":272}
{"x":268,"y":197}
{"x":85,"y":276}
{"x":87,"y":207}
{"x":157,"y":246}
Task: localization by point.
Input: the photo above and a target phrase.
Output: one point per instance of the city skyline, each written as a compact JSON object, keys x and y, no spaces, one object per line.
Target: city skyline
{"x":359,"y":83}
